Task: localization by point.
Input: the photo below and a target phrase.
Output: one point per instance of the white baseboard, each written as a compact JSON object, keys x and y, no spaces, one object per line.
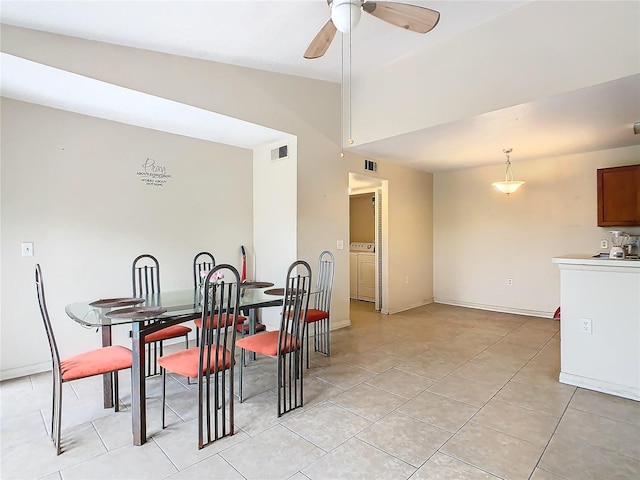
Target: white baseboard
{"x":345,"y":322}
{"x":495,"y":308}
{"x":9,"y":373}
{"x":625,"y":391}
{"x":407,"y":307}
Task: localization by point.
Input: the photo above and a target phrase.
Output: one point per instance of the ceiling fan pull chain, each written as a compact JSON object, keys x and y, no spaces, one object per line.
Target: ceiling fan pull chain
{"x":342,"y":98}
{"x":350,"y":117}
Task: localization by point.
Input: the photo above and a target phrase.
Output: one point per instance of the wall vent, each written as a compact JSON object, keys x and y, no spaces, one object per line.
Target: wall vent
{"x":279,"y":153}
{"x":370,"y":165}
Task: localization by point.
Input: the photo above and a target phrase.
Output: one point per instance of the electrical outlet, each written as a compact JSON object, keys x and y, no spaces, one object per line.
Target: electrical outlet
{"x":604,"y":244}
{"x":509,"y":282}
{"x":586,"y":326}
{"x":27,"y":249}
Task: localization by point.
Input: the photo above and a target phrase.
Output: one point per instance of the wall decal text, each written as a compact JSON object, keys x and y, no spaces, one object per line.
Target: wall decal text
{"x":152,"y":174}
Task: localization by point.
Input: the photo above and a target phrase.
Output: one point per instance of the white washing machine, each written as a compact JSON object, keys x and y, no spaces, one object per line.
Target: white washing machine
{"x":362,"y":265}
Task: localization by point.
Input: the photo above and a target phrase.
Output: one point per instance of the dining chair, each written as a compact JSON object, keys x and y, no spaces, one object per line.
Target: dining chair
{"x":103,"y":360}
{"x":320,"y":314}
{"x":202,"y":262}
{"x":287,"y":343}
{"x":145,"y":279}
{"x":213,"y":358}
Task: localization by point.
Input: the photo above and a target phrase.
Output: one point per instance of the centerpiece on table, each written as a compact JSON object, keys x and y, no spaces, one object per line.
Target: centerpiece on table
{"x":215,"y":278}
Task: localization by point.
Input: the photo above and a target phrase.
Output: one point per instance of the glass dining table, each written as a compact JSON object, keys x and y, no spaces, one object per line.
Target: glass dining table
{"x":153,"y":313}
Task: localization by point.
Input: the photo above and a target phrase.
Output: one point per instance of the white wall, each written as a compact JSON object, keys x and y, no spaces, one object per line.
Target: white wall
{"x":70,"y":185}
{"x":275,"y":199}
{"x":538,"y":50}
{"x":483,"y":237}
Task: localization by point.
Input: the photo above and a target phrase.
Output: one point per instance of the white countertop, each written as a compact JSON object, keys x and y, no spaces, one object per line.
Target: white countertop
{"x":586,"y":259}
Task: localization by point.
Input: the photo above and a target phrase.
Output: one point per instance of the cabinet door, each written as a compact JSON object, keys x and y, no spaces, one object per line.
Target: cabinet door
{"x":619,"y":196}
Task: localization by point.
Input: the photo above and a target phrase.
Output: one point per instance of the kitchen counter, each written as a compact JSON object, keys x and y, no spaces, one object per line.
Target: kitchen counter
{"x":600,"y":323}
{"x":585,"y":259}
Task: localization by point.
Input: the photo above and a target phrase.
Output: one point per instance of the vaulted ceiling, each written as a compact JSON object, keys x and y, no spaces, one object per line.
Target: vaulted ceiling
{"x":272,"y":35}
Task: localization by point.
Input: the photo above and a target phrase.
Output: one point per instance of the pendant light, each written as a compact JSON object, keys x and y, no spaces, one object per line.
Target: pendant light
{"x":509,"y":185}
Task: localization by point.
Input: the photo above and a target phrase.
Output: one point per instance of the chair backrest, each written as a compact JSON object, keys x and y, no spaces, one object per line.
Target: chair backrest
{"x":324,"y":279}
{"x":295,"y":305}
{"x":55,"y":356}
{"x":290,"y":349}
{"x":204,"y":261}
{"x":145,"y":275}
{"x":221,"y":304}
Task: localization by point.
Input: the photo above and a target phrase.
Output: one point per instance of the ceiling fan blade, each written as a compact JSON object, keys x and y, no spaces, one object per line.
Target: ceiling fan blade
{"x":322,"y":40}
{"x":410,"y":17}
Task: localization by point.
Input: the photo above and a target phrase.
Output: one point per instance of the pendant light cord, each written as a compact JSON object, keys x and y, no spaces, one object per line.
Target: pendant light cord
{"x":508,"y":175}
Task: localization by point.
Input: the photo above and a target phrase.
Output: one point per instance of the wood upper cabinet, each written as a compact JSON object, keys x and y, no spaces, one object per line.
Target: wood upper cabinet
{"x":619,"y":196}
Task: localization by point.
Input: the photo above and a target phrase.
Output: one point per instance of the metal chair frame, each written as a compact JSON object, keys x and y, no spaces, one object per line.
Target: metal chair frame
{"x":201,"y":262}
{"x":290,"y":347}
{"x":217,"y":346}
{"x":322,"y":301}
{"x":145,"y":281}
{"x":56,"y":404}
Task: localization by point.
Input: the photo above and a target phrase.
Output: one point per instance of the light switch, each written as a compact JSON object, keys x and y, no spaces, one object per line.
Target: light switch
{"x":340,"y":245}
{"x":27,"y":249}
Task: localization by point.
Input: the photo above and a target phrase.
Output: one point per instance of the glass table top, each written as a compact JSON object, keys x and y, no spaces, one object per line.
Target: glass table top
{"x":177,"y":303}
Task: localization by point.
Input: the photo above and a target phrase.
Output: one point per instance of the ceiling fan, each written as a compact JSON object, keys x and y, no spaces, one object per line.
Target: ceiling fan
{"x":345,"y":15}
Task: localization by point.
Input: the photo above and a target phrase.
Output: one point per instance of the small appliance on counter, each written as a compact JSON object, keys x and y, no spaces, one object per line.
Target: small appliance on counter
{"x":624,"y":245}
{"x":618,"y":239}
{"x":632,"y":247}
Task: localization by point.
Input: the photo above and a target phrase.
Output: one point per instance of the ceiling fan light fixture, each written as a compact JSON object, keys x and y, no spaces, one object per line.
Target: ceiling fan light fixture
{"x":345,"y":14}
{"x":509,"y":185}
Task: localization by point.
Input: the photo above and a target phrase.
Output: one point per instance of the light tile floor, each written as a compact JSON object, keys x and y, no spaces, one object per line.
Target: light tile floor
{"x":438,"y":392}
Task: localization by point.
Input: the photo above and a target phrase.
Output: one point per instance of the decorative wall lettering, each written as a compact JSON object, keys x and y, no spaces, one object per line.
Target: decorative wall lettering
{"x":153,"y":174}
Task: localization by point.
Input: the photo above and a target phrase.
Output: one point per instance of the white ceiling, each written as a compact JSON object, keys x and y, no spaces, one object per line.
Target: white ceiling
{"x":272,"y":35}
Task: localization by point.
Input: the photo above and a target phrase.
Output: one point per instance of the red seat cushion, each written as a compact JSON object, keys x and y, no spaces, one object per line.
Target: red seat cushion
{"x":231,"y":319}
{"x":266,"y":343}
{"x":314,"y":315}
{"x":173,"y":331}
{"x":185,"y":362}
{"x":244,"y":328}
{"x":95,"y":362}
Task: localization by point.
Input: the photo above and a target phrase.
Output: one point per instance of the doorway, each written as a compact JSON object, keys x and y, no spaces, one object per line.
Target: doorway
{"x":367,"y":235}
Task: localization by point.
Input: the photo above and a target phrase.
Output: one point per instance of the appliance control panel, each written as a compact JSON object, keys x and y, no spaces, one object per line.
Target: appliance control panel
{"x":362,"y":247}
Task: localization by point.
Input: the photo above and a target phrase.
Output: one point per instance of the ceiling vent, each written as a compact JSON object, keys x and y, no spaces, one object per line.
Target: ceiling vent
{"x":279,"y":153}
{"x":370,"y":165}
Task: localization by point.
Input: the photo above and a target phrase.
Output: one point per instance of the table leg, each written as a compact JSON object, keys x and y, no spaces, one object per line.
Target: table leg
{"x":252,"y":330}
{"x":107,"y":385}
{"x":138,"y":393}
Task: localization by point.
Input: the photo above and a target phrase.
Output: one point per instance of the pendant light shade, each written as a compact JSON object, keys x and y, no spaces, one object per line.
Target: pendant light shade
{"x":509,"y":185}
{"x":345,"y":14}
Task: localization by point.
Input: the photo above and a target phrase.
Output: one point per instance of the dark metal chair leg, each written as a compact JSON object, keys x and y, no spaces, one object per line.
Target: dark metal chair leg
{"x":241,"y":363}
{"x":116,"y":394}
{"x":164,"y":394}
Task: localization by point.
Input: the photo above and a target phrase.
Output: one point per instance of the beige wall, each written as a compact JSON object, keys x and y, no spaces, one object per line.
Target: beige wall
{"x":407,"y":239}
{"x":86,"y":195}
{"x":483,"y":237}
{"x":362,"y":225}
{"x":70,"y":185}
{"x":479,"y":71}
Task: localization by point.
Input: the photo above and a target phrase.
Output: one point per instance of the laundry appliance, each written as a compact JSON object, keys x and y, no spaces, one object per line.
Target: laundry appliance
{"x":362,"y":268}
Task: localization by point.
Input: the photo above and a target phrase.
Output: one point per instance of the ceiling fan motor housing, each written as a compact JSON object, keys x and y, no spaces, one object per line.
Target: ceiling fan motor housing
{"x":345,"y":14}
